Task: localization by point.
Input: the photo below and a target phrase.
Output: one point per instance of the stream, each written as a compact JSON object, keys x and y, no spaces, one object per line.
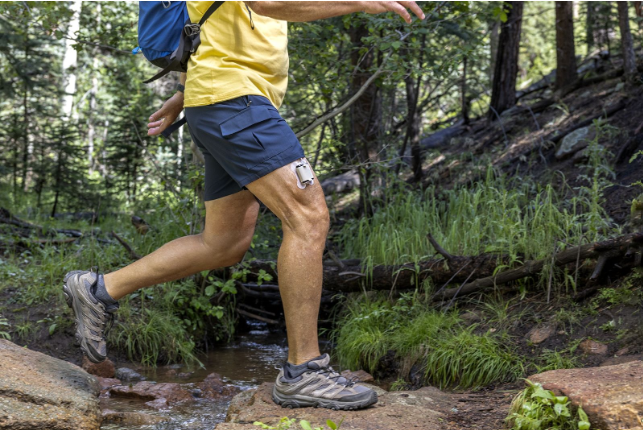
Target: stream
{"x":251,"y":359}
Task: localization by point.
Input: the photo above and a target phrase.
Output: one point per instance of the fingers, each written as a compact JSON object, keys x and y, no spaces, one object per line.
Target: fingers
{"x":400,"y":10}
{"x":414,"y":8}
{"x":158,"y":114}
{"x":156,"y":127}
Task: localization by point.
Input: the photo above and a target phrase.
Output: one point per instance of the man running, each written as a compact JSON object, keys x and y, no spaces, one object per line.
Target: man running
{"x":235,"y":83}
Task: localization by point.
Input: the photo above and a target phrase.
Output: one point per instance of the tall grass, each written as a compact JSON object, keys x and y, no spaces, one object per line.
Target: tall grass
{"x":517,"y":218}
{"x":448,"y":354}
{"x":162,"y":323}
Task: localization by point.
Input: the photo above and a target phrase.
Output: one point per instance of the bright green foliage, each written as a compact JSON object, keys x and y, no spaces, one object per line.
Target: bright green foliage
{"x":538,"y":409}
{"x":448,"y":353}
{"x":519,"y":219}
{"x":287,"y":423}
{"x":4,"y":328}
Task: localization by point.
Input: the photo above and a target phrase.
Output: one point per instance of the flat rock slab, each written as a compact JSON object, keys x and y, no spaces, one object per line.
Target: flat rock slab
{"x":41,"y":392}
{"x":422,"y":409}
{"x":612,"y":396}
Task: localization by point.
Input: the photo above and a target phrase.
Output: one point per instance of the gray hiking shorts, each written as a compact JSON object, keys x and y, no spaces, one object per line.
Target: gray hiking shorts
{"x":242,"y":140}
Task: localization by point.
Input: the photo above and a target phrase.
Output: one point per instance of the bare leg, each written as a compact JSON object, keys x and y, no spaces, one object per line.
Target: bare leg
{"x":305,"y":221}
{"x":229,"y":226}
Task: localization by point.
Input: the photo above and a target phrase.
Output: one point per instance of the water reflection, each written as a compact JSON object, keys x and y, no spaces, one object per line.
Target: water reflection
{"x":253,"y":358}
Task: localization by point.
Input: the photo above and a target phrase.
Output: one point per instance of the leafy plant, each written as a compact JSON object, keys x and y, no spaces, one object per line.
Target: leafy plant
{"x":4,"y":328}
{"x":538,"y":409}
{"x":286,"y":423}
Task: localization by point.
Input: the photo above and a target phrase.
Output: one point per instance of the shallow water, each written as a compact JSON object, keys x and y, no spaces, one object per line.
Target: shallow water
{"x":247,"y":362}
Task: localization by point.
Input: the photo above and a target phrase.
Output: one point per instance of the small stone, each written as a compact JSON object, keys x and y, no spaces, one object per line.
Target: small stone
{"x":592,"y":347}
{"x":146,"y":390}
{"x":358,"y":375}
{"x":157,"y":404}
{"x":575,"y":141}
{"x":213,"y":387}
{"x":131,"y":418}
{"x":185,"y":375}
{"x":106,"y":383}
{"x":105,"y":369}
{"x":128,"y":375}
{"x":539,"y":334}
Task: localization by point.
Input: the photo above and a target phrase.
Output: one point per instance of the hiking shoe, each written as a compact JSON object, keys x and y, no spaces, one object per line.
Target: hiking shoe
{"x":92,"y":315}
{"x":316,"y":384}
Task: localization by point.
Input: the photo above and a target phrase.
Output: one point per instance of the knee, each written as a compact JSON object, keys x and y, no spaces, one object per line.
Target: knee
{"x":310,"y":223}
{"x":230,"y":253}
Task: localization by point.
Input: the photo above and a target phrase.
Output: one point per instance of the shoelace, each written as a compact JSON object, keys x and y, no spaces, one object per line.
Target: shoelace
{"x":334,"y":376}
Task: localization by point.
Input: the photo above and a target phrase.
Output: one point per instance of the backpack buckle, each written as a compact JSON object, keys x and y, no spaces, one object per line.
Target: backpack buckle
{"x":192,"y":29}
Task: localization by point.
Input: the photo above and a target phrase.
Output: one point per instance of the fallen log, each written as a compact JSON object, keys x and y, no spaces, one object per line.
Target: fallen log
{"x":7,"y":217}
{"x":447,"y":270}
{"x":610,"y":248}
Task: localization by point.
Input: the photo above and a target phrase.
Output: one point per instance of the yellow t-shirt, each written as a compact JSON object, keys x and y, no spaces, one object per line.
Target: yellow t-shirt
{"x":234,"y":60}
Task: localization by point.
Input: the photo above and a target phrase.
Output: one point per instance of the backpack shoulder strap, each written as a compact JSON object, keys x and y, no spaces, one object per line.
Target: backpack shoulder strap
{"x":216,"y":5}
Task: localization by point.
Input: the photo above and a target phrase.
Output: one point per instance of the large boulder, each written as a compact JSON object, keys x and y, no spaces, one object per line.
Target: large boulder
{"x":612,"y":396}
{"x":423,"y":409}
{"x":41,"y":392}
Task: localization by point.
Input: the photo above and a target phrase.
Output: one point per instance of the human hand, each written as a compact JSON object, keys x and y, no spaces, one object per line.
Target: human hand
{"x":399,"y":7}
{"x":164,"y":117}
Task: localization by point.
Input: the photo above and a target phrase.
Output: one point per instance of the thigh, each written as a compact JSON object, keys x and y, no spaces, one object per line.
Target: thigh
{"x":280,"y":192}
{"x":230,"y":217}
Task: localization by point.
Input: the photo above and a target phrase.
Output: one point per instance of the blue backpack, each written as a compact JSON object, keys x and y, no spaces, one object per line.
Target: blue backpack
{"x":166,"y":36}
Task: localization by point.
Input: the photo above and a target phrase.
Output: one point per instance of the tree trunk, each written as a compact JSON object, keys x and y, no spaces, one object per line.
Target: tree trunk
{"x":565,"y":50}
{"x":638,"y":8}
{"x":503,"y":95}
{"x":70,"y":59}
{"x":365,"y":112}
{"x":463,"y":93}
{"x":627,"y":46}
{"x":494,"y":38}
{"x":589,"y":26}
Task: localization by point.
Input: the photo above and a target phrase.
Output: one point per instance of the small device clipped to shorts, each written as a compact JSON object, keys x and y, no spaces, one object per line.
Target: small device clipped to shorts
{"x":304,"y":173}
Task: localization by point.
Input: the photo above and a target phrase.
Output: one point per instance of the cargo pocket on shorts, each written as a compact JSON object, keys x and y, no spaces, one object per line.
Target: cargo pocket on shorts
{"x":255,"y":134}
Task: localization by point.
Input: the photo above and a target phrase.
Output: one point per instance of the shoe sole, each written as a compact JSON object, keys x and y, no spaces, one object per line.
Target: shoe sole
{"x":301,"y":401}
{"x":74,"y":303}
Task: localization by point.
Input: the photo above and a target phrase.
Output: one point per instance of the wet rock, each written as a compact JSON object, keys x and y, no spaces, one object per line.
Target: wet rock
{"x":540,"y":334}
{"x":423,"y":409}
{"x":105,"y":383}
{"x":157,"y":404}
{"x":612,"y":396}
{"x":128,"y":375}
{"x":185,"y":375}
{"x":131,"y":418}
{"x":105,"y":369}
{"x":147,"y":390}
{"x":41,"y":392}
{"x":358,"y":375}
{"x":591,"y":347}
{"x":213,"y":387}
{"x":575,"y":141}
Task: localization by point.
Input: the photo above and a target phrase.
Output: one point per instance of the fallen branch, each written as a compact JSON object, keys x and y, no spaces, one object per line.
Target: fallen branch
{"x":255,"y":316}
{"x":132,"y":254}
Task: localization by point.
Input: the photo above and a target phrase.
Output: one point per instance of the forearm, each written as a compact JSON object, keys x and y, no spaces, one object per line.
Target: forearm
{"x":299,"y":11}
{"x":183,"y":78}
